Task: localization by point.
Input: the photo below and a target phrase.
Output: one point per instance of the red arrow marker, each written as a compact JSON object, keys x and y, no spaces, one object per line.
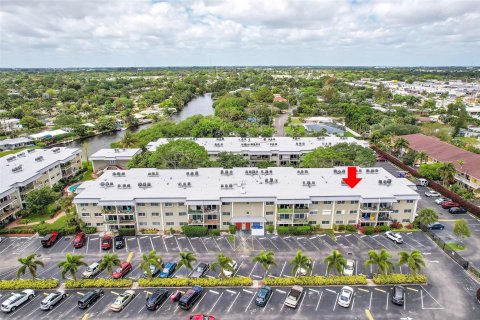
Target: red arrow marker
{"x":351,"y":178}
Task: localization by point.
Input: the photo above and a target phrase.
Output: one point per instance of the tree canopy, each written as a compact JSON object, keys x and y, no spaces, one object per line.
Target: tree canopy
{"x":342,"y":154}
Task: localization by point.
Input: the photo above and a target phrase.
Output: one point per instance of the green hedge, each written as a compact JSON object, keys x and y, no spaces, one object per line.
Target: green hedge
{"x":317,"y":281}
{"x":399,"y":278}
{"x":294,"y":230}
{"x":188,"y":282}
{"x":28,"y":284}
{"x":195,"y":231}
{"x":99,"y":283}
{"x":214,"y":232}
{"x":126,"y":231}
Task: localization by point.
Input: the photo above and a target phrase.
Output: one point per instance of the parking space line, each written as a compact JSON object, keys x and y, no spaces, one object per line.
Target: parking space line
{"x":151,"y":243}
{"x":301,"y":302}
{"x":250,"y":274}
{"x":248,"y":291}
{"x":248,"y":305}
{"x":330,"y":290}
{"x":386,"y":305}
{"x":214,"y":240}
{"x":203,"y":244}
{"x":273,"y":243}
{"x":412,"y":289}
{"x":219,"y":297}
{"x":177,"y":243}
{"x":233,"y":302}
{"x":193,"y":248}
{"x":281,"y":291}
{"x":281,"y":272}
{"x":353,"y":302}
{"x":421,"y":295}
{"x":381,"y":290}
{"x":139,"y":247}
{"x":336,"y":301}
{"x":231,"y":291}
{"x":199,"y":301}
{"x":370,"y":304}
{"x":364,"y":290}
{"x":161,"y":305}
{"x":318,"y":303}
{"x":163,"y":240}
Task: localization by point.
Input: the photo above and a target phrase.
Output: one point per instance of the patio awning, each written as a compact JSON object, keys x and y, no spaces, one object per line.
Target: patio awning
{"x":247,"y":219}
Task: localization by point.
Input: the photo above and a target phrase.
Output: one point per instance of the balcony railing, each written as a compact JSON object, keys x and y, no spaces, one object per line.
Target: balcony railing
{"x":8,"y":213}
{"x":121,"y":221}
{"x":467,"y":182}
{"x":284,"y":221}
{"x":384,"y":217}
{"x":212,"y":221}
{"x":376,"y":208}
{"x":113,"y":211}
{"x":195,"y":221}
{"x":191,"y":211}
{"x":300,"y":220}
{"x":302,"y":210}
{"x":285,"y":210}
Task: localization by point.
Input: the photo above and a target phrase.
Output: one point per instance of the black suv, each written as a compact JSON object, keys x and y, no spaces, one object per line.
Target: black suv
{"x":457,"y":210}
{"x":156,"y":299}
{"x":89,"y":298}
{"x":398,"y":295}
{"x":119,"y":242}
{"x":200,"y":270}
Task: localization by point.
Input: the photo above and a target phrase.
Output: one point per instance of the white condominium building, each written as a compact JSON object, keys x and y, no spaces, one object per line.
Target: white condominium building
{"x":248,"y":198}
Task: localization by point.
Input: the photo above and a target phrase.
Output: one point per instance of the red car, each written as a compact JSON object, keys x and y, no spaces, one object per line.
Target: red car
{"x":106,"y":242}
{"x":122,"y":270}
{"x":200,"y":317}
{"x":449,"y":204}
{"x":49,"y":239}
{"x":380,"y":158}
{"x":79,"y":240}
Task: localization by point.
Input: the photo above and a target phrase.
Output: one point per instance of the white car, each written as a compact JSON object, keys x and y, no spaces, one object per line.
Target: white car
{"x":122,"y":300}
{"x":431,"y":193}
{"x":301,"y":272}
{"x":16,"y":300}
{"x":349,"y":268}
{"x":92,"y":270}
{"x":394,"y":236}
{"x":52,"y":299}
{"x":440,"y":200}
{"x":229,"y":273}
{"x":345,"y":297}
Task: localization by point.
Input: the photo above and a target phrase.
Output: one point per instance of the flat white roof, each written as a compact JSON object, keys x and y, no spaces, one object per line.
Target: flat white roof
{"x":48,"y":133}
{"x":15,"y":140}
{"x":119,"y":154}
{"x":262,"y":145}
{"x":31,"y":163}
{"x":285,"y":184}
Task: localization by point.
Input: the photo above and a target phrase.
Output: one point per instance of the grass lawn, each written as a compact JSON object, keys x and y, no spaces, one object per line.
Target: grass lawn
{"x":296,"y":120}
{"x":7,"y":152}
{"x":454,"y":246}
{"x":348,"y":134}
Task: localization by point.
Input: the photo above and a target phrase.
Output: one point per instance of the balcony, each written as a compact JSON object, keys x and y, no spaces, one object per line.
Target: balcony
{"x":302,"y":210}
{"x":8,"y":213}
{"x":384,"y":217}
{"x":376,"y":208}
{"x":195,"y":221}
{"x":121,"y":221}
{"x":285,"y":210}
{"x":467,"y":182}
{"x":118,"y":211}
{"x":284,"y":221}
{"x":191,"y":211}
{"x":300,"y":220}
{"x":212,"y":221}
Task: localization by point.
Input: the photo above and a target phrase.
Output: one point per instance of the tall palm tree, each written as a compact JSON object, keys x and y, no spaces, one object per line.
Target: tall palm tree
{"x":400,"y":145}
{"x":128,"y":140}
{"x":29,"y":263}
{"x":71,"y":264}
{"x":186,"y":259}
{"x":422,"y":157}
{"x":266,"y":259}
{"x":150,"y":259}
{"x":414,"y":260}
{"x":335,"y":261}
{"x":381,"y":259}
{"x":224,"y":263}
{"x":109,"y":262}
{"x":301,"y":262}
{"x":447,"y":172}
{"x":427,"y":216}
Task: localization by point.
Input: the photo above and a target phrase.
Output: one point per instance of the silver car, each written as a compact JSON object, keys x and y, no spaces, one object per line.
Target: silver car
{"x":349,"y":269}
{"x":394,"y":236}
{"x":346,"y":296}
{"x":16,"y":300}
{"x":52,"y":299}
{"x":122,"y":301}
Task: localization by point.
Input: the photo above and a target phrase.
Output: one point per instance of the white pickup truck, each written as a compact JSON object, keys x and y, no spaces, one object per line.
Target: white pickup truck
{"x":294,"y":297}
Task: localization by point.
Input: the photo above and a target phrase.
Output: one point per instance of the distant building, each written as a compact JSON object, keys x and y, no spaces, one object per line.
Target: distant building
{"x":47,"y":134}
{"x":117,"y":158}
{"x":330,"y":128}
{"x":9,"y":125}
{"x":10,"y":144}
{"x":474,"y":112}
{"x":278,"y":98}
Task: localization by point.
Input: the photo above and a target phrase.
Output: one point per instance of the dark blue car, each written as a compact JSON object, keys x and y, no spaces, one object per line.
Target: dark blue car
{"x":435,"y":226}
{"x":168,"y":269}
{"x":263,"y":295}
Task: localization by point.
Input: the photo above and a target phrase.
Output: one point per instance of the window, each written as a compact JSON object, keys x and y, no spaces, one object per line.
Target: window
{"x":407,"y":211}
{"x":269,"y":213}
{"x":353,"y":211}
{"x":395,"y":211}
{"x":409,"y":201}
{"x":168,"y":204}
{"x":83,"y":204}
{"x":226,"y":203}
{"x":155,"y":214}
{"x":88,"y":224}
{"x":156,"y":223}
{"x":313,"y":212}
{"x":326,"y":212}
{"x":325,"y":222}
{"x":269,"y":203}
{"x":182,"y":214}
{"x":94,"y":204}
{"x":339,"y":222}
{"x":327,"y":202}
{"x":405,"y":220}
{"x":354,"y":201}
{"x":141,"y":214}
{"x":283,"y":216}
{"x":340,"y":202}
{"x":170,"y":224}
{"x":183,"y":223}
{"x":155,"y":204}
{"x":99,"y":224}
{"x":352,"y":221}
{"x":226,"y":213}
{"x":314,"y":202}
{"x":181,"y":204}
{"x":340,"y":212}
{"x":141,"y":204}
{"x":168,"y":214}
{"x":142,"y":223}
{"x":98,"y":214}
{"x":312,"y":222}
{"x":269,"y":223}
{"x":85,"y":214}
{"x":226,"y":223}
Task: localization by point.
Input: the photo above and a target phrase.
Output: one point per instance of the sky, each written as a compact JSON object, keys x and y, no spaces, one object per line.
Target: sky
{"x":136,"y":33}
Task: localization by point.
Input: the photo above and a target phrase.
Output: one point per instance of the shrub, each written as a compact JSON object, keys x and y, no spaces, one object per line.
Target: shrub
{"x":17,"y":230}
{"x":188,"y":282}
{"x":409,"y":226}
{"x":396,"y":225}
{"x":98,"y":283}
{"x":89,"y":230}
{"x":317,"y":281}
{"x":350,"y":228}
{"x":270,"y":228}
{"x":231,"y":229}
{"x":195,"y":231}
{"x":19,"y":284}
{"x":149,"y":231}
{"x":376,"y":229}
{"x":294,"y":230}
{"x":341,"y":228}
{"x":214,"y":232}
{"x":383,"y":228}
{"x":368,"y":230}
{"x":126,"y":231}
{"x":399,"y":278}
{"x":335,"y":227}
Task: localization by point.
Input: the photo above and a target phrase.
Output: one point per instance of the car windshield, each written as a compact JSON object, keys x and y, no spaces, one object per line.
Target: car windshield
{"x":105,"y":241}
{"x":344,"y":298}
{"x":166,"y":270}
{"x":349,"y":267}
{"x":262,"y":293}
{"x":119,"y":269}
{"x":398,"y":293}
{"x":199,"y":268}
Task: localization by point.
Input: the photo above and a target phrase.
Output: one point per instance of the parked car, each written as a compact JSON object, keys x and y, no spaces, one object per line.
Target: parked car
{"x":153,"y":270}
{"x":119,"y":242}
{"x":435,"y":226}
{"x":89,"y":298}
{"x":176,"y":296}
{"x":190,"y":297}
{"x":394,"y":236}
{"x":52,"y":299}
{"x":122,"y":270}
{"x":441,"y":199}
{"x":349,"y":268}
{"x":200,"y":317}
{"x":293,"y":297}
{"x":301,"y":272}
{"x":263,"y":295}
{"x":431,"y":193}
{"x":398,"y":295}
{"x":200,"y":270}
{"x":345,"y":298}
{"x":449,"y":204}
{"x":49,"y":240}
{"x":122,"y":301}
{"x":229,"y":273}
{"x":457,"y":210}
{"x":168,"y":269}
{"x":92,"y":270}
{"x":107,"y":242}
{"x":16,"y":300}
{"x":156,"y":299}
{"x":79,"y":240}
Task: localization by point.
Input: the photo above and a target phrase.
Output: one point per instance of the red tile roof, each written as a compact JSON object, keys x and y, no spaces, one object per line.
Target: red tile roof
{"x":445,"y":152}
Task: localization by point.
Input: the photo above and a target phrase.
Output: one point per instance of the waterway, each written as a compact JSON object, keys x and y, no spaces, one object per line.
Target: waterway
{"x":200,"y":105}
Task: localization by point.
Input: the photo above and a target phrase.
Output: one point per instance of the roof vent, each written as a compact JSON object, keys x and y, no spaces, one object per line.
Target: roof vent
{"x":380,"y":182}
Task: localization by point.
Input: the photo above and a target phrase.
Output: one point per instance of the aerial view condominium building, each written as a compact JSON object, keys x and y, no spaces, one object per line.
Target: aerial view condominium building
{"x":282,"y":151}
{"x":248,"y":198}
{"x":32,"y":169}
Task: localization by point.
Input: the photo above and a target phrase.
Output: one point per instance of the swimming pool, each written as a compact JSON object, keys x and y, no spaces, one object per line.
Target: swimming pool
{"x":73,"y":187}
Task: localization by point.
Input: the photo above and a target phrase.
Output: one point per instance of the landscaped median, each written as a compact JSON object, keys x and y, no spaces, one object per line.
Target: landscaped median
{"x":399,"y":278}
{"x":204,"y":282}
{"x":28,"y":284}
{"x":317,"y":281}
{"x":99,"y":283}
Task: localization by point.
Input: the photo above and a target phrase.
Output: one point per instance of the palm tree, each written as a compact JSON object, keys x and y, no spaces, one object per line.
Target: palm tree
{"x":400,"y":145}
{"x":414,"y":260}
{"x":30,"y":263}
{"x":422,"y":156}
{"x":71,"y":264}
{"x":224,"y":262}
{"x":186,"y":259}
{"x":335,"y":260}
{"x":150,"y":259}
{"x":427,"y":216}
{"x":266,"y":259}
{"x":447,"y":172}
{"x":128,"y":140}
{"x":381,"y":259}
{"x":109,"y":262}
{"x":301,"y":262}
{"x":85,"y":150}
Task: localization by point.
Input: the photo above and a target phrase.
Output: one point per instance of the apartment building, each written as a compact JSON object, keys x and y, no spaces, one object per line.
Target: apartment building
{"x":117,"y":158}
{"x":32,"y":169}
{"x":248,"y":198}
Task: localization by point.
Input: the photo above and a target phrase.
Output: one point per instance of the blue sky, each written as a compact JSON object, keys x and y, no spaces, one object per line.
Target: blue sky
{"x":96,"y":33}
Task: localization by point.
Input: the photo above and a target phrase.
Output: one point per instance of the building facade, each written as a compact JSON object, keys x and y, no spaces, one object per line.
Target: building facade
{"x":248,"y":198}
{"x":117,"y":158}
